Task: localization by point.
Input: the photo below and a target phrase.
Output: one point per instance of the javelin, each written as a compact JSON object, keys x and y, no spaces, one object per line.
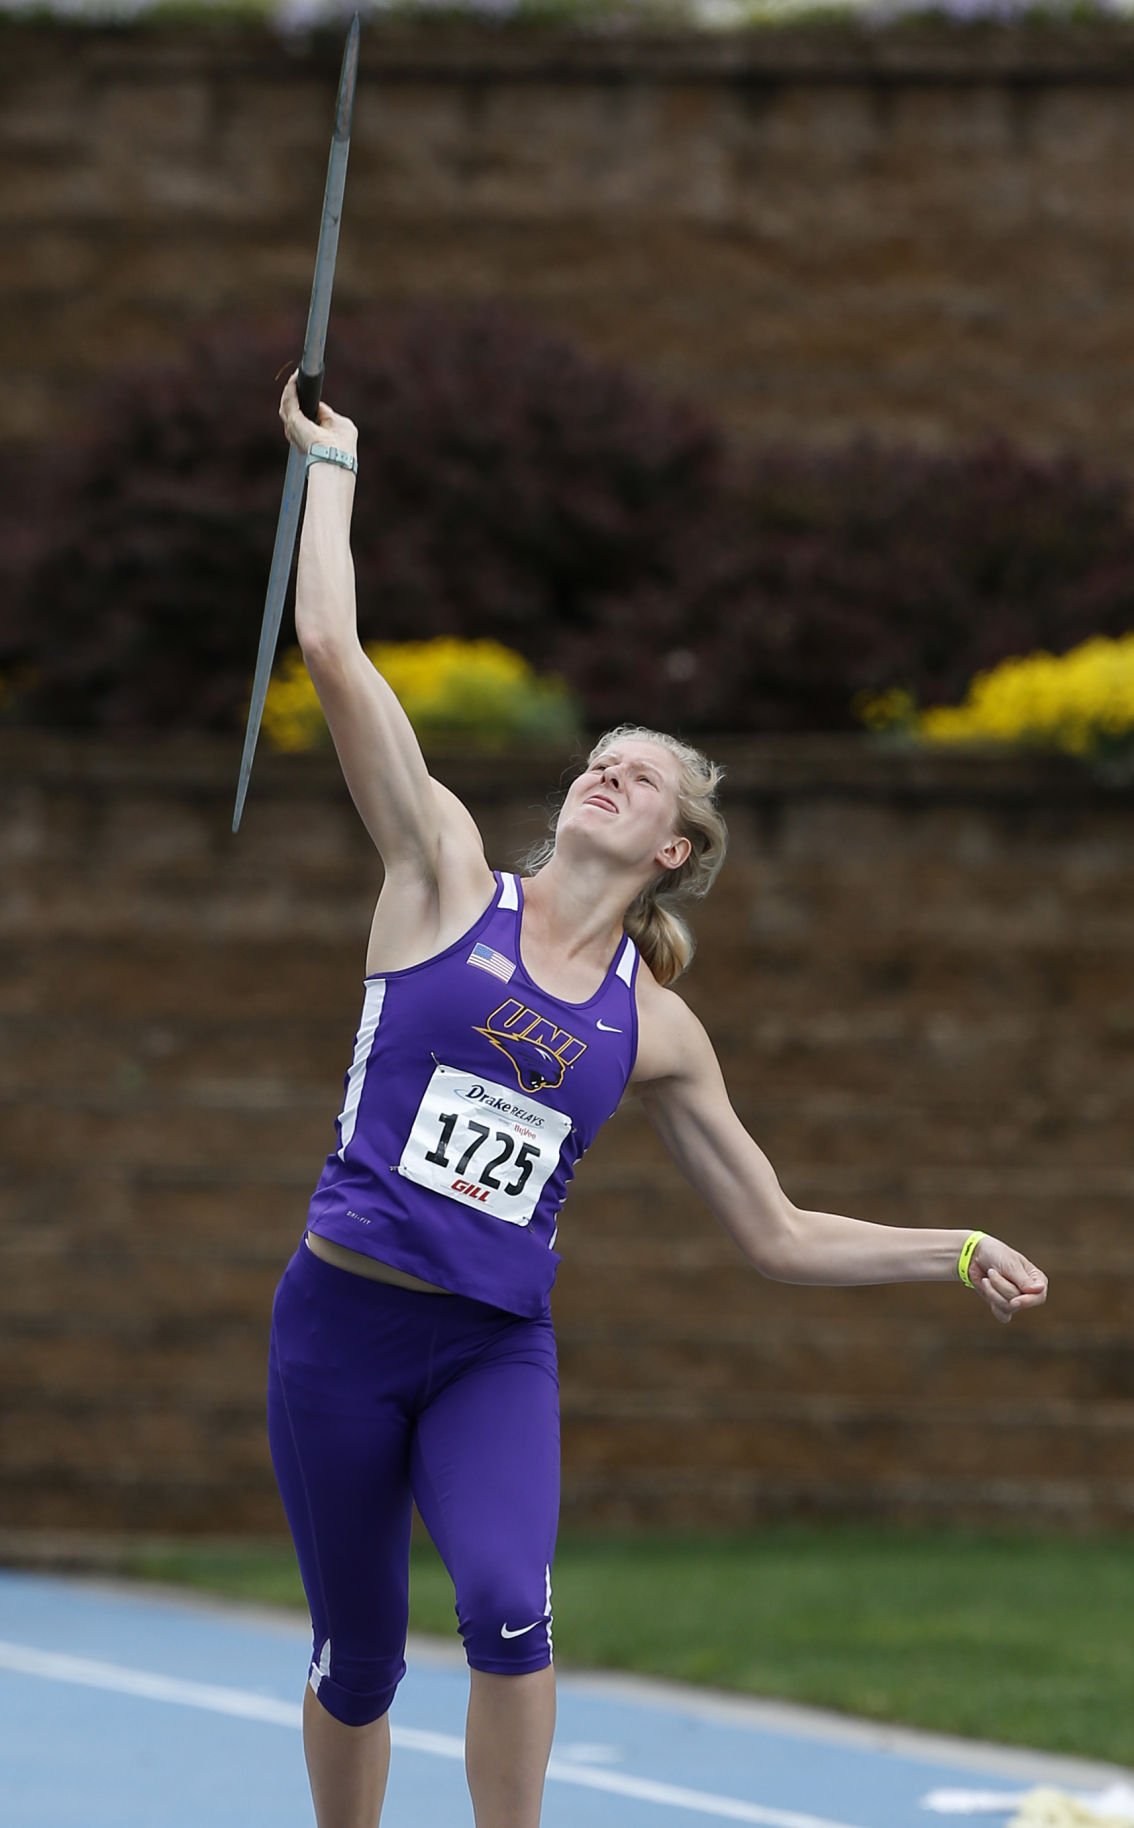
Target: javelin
{"x":310,"y":389}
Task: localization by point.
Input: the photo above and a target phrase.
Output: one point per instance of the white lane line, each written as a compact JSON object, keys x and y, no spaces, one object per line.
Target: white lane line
{"x":673,"y":1796}
{"x":242,"y":1704}
{"x":150,"y":1687}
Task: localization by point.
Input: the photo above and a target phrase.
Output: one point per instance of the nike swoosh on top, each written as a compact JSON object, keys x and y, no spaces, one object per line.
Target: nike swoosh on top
{"x":608,"y":1028}
{"x":522,"y":1632}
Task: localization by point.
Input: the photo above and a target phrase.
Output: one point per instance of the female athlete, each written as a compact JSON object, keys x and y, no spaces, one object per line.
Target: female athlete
{"x":412,"y":1352}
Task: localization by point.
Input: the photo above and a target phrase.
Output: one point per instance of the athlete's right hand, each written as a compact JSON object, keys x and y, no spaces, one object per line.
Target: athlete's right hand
{"x":304,"y":432}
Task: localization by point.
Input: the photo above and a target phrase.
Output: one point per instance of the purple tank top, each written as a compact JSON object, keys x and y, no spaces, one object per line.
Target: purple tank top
{"x":471,"y":1096}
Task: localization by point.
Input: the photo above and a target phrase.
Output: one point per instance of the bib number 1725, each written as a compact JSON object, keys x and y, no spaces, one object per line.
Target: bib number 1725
{"x":500,"y":1141}
{"x":483,"y":1145}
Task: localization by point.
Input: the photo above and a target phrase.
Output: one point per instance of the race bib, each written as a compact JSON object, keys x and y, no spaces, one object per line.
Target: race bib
{"x":483,"y":1145}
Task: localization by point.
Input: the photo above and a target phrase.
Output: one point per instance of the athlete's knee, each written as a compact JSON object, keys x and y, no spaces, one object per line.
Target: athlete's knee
{"x":355,"y":1690}
{"x":506,"y":1623}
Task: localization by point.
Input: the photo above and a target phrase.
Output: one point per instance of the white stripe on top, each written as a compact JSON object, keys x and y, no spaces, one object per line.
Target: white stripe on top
{"x":509,"y":891}
{"x":625,"y":968}
{"x":364,"y":1041}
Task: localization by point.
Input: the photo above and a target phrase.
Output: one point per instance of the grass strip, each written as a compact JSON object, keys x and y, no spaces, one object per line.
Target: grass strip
{"x":1024,"y":1640}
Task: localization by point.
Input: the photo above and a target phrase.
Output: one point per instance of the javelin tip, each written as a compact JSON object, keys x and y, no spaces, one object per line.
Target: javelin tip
{"x":348,"y":77}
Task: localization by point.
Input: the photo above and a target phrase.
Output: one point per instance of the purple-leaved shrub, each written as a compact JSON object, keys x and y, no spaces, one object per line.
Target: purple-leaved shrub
{"x":512,"y":488}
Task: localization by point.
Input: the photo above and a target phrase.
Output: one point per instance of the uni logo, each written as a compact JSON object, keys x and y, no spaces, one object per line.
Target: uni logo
{"x":540,"y":1052}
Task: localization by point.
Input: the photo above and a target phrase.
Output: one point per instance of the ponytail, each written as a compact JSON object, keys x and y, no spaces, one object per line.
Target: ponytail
{"x":665,"y":940}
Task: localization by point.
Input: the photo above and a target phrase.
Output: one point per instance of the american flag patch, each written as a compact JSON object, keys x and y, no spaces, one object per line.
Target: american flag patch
{"x":488,"y":960}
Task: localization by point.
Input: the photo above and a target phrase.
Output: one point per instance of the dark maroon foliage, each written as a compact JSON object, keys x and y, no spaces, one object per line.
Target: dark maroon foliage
{"x":868,"y":568}
{"x":508,"y":488}
{"x":511,"y":487}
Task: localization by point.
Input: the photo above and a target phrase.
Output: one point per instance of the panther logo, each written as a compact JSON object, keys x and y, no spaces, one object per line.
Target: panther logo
{"x":539,"y":1051}
{"x":536,"y":1067}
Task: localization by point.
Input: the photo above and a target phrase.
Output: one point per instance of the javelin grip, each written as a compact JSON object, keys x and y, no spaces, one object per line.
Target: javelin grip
{"x":309,"y":388}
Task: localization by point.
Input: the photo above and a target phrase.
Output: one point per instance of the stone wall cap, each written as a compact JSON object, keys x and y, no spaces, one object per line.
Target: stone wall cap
{"x":983,"y":53}
{"x":833,"y":766}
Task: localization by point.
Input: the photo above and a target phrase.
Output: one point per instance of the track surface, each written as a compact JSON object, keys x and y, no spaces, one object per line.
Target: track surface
{"x":124,"y":1709}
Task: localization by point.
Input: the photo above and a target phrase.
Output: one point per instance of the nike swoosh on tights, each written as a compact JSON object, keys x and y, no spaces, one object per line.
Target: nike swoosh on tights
{"x":522,"y":1632}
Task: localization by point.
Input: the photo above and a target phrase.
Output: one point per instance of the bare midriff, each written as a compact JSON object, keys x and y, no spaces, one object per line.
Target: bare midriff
{"x":356,"y":1264}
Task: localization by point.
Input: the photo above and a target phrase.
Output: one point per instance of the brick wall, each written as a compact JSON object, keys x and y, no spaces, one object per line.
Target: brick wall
{"x":917,"y":972}
{"x":923,"y":235}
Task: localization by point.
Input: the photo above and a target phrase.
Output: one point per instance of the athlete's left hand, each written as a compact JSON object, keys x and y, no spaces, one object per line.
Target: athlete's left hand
{"x":1005,"y":1279}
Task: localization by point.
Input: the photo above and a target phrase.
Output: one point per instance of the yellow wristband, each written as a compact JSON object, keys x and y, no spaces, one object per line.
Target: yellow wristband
{"x":967,"y":1253}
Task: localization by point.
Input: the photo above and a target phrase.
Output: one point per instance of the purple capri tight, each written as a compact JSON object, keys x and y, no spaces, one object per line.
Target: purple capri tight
{"x":381,"y":1396}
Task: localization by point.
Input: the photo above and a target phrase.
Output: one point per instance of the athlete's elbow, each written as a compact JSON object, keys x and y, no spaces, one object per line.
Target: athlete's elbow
{"x":771,"y":1241}
{"x":323,"y":644}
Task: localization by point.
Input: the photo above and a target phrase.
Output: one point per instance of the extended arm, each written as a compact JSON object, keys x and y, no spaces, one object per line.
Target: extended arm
{"x":437,"y":879}
{"x":684,"y":1095}
{"x":418,"y":826}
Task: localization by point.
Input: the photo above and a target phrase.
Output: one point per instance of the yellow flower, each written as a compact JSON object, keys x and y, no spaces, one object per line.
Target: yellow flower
{"x":890,"y":710}
{"x":1080,"y":702}
{"x":293,"y":720}
{"x":476,"y":692}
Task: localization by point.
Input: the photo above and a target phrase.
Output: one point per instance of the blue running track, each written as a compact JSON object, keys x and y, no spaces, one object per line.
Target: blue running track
{"x":122,"y":1709}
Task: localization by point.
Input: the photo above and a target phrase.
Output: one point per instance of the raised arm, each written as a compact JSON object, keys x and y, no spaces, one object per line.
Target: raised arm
{"x":423,"y":832}
{"x":683,"y":1091}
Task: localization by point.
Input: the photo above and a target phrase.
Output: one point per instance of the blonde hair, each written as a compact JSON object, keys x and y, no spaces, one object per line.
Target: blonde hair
{"x":659,"y":932}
